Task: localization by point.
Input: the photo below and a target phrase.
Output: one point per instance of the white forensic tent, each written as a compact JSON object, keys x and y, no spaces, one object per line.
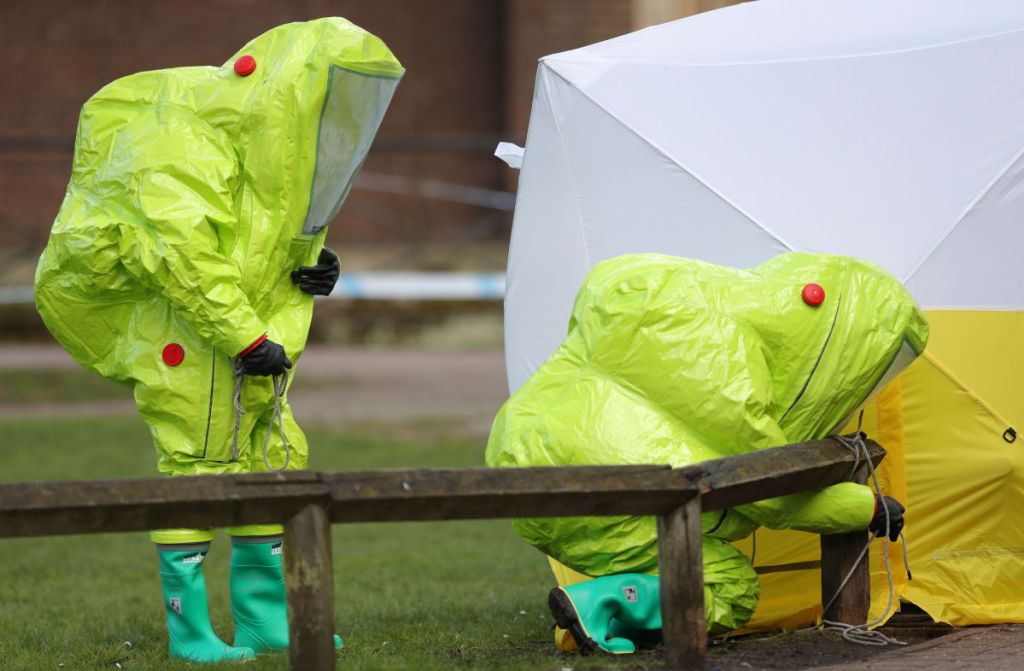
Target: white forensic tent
{"x":891,"y":130}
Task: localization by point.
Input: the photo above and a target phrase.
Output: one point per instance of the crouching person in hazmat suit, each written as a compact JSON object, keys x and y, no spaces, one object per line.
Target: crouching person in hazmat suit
{"x":184,"y":260}
{"x":675,"y":361}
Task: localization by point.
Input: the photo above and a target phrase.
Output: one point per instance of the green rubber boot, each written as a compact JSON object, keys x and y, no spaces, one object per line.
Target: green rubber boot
{"x":189,"y":632}
{"x":598,"y":612}
{"x":258,"y":601}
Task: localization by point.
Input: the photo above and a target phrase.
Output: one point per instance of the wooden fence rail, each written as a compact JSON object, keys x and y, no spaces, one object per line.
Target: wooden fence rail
{"x":307,"y":503}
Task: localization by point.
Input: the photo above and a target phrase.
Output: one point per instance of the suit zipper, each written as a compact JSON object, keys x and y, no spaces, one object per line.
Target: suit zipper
{"x":209,"y":409}
{"x":821,"y":355}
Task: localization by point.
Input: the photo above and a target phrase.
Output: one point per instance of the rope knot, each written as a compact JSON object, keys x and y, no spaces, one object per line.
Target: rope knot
{"x":280,"y":385}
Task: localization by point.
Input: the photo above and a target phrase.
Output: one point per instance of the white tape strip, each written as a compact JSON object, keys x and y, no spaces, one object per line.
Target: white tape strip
{"x":374,"y":286}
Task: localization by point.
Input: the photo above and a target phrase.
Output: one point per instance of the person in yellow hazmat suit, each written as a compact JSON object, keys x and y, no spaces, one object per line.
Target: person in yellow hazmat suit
{"x":184,"y":260}
{"x":676,"y":361}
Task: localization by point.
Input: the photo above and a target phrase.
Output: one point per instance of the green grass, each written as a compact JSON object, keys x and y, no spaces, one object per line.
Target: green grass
{"x":452,"y":595}
{"x":57,"y":385}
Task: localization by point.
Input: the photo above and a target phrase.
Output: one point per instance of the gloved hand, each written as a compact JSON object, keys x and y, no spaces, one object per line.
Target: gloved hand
{"x":267,"y":358}
{"x":319,"y":279}
{"x":895,"y":509}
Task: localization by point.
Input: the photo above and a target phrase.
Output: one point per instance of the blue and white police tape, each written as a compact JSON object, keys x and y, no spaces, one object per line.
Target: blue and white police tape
{"x":411,"y":286}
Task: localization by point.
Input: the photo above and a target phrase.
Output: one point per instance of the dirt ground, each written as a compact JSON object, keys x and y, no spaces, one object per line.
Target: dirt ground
{"x":812,"y":649}
{"x":451,"y":392}
{"x":993,"y":648}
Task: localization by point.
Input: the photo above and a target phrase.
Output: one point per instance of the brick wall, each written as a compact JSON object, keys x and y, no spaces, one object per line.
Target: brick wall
{"x":540,"y":27}
{"x":57,"y":53}
{"x":470,"y":72}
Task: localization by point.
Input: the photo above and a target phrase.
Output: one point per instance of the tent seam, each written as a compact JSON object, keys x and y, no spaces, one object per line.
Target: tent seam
{"x":568,"y":168}
{"x":952,"y":377}
{"x":779,"y":61}
{"x":963,"y":215}
{"x":970,"y":308}
{"x":772,"y":234}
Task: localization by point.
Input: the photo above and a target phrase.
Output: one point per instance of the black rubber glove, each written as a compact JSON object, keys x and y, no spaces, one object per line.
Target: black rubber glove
{"x":320,"y":279}
{"x":895,"y":509}
{"x":268,"y":358}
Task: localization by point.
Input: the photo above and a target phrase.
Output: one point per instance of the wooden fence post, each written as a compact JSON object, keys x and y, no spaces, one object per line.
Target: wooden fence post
{"x":838,"y":553}
{"x":310,"y":584}
{"x":681,"y":578}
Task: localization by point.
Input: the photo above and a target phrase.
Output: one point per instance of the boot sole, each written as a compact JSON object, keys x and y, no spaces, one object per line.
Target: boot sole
{"x":567,"y":618}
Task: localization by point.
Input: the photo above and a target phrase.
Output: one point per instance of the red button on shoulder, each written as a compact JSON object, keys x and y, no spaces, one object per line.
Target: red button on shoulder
{"x":245,"y":66}
{"x":813,"y":295}
{"x":174,"y":354}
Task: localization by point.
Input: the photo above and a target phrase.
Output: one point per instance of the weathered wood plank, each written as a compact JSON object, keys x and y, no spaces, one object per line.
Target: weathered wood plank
{"x":681,"y":581}
{"x":838,"y":553}
{"x":51,"y":508}
{"x":383,"y":496}
{"x":104,"y":506}
{"x":538,"y":492}
{"x":813,"y":565}
{"x":310,"y":584}
{"x":774,"y":472}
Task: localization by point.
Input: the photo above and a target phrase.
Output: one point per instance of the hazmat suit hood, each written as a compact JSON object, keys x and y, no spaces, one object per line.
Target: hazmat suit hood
{"x":677,"y":361}
{"x":300,"y":122}
{"x":822,"y":355}
{"x":194,"y":194}
{"x":353,"y":75}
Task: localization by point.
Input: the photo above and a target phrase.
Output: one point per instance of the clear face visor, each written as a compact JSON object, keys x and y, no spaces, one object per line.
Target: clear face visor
{"x":903,"y":358}
{"x":353,"y":110}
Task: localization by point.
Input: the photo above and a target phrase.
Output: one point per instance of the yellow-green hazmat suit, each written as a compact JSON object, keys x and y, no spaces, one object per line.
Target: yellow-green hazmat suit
{"x":676,"y":361}
{"x":194,"y":193}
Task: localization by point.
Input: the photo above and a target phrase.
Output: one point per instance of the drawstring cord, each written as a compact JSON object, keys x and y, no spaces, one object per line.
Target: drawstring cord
{"x":863,"y":634}
{"x":239,"y":372}
{"x":280,"y":383}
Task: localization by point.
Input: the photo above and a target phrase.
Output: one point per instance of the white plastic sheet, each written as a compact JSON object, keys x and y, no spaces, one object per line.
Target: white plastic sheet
{"x":890,"y":131}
